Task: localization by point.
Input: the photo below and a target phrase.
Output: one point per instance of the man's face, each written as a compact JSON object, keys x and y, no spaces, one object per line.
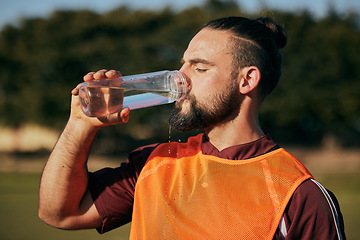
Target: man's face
{"x":214,"y":97}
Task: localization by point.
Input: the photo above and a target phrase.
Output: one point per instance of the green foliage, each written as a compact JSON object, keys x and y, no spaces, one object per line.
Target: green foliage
{"x":41,"y":60}
{"x":318,"y":92}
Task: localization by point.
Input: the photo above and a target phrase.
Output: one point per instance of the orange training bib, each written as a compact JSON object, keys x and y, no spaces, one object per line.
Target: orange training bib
{"x":183,"y":194}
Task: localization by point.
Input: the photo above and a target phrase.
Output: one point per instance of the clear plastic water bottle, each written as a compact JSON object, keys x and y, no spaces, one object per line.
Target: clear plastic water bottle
{"x":103,"y":97}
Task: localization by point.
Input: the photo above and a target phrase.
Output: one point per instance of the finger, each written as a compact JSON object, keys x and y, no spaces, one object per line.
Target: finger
{"x":125,"y":114}
{"x":100,"y":74}
{"x":112,"y":74}
{"x":75,"y":91}
{"x":89,"y":76}
{"x":121,"y":117}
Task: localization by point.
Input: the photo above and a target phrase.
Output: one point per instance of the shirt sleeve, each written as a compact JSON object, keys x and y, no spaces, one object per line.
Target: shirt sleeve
{"x":112,"y":189}
{"x":313,"y":213}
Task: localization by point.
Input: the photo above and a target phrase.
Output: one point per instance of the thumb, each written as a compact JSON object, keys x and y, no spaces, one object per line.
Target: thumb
{"x":116,"y":118}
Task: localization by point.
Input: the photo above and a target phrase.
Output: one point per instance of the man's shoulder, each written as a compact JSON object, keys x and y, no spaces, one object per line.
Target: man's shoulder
{"x":314,"y":206}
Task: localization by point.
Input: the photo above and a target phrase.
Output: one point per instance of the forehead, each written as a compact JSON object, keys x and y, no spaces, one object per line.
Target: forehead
{"x":209,"y":44}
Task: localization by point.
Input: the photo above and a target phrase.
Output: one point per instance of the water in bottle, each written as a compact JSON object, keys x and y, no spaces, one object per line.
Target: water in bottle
{"x":103,"y":97}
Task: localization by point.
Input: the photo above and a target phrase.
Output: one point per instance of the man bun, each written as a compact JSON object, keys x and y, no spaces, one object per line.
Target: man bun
{"x":278,"y":30}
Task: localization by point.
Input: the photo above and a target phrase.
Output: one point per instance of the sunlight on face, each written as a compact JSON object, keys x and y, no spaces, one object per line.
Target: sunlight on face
{"x":214,"y":96}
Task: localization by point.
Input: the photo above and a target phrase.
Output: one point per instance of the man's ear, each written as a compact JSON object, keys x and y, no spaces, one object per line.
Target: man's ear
{"x":250,"y":78}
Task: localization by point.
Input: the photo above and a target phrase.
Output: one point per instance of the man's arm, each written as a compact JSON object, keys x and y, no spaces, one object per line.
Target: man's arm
{"x":64,"y":201}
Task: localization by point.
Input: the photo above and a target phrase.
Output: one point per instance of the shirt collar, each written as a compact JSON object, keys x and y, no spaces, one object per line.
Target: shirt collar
{"x":240,"y":152}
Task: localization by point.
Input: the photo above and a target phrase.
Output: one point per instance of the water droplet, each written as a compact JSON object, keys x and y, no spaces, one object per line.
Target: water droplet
{"x":169,"y":138}
{"x":169,"y":133}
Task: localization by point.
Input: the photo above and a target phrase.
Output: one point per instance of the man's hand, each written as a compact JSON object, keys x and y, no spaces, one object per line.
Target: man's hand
{"x":77,"y":114}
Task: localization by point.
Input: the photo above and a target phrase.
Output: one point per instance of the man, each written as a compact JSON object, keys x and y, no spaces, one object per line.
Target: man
{"x":233,"y":182}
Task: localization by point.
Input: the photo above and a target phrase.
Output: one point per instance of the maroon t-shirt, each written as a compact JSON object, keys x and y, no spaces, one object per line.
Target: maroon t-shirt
{"x":312,"y":212}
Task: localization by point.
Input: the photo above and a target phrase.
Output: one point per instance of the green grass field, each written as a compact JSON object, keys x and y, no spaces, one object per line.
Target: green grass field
{"x":19,"y":219}
{"x":19,"y":203}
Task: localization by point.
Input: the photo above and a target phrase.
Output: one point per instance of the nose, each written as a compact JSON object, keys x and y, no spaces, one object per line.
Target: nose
{"x":184,"y":71}
{"x":184,"y":81}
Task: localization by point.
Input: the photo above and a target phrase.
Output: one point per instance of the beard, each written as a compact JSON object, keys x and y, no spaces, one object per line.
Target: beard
{"x":222,"y":108}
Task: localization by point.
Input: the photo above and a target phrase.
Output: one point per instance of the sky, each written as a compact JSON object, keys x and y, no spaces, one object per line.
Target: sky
{"x":13,"y":10}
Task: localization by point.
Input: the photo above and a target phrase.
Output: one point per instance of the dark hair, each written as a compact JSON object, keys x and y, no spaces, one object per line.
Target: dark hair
{"x":256,"y":43}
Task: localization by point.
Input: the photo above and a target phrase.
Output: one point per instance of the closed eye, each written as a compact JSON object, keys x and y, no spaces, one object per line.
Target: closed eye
{"x":200,"y":70}
{"x":199,"y":65}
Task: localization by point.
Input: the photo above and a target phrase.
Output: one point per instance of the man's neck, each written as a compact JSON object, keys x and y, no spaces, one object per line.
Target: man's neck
{"x":243,"y":129}
{"x":223,"y":139}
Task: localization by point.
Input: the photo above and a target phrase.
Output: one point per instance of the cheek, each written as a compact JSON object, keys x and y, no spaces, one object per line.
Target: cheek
{"x":202,"y":89}
{"x":205,"y":86}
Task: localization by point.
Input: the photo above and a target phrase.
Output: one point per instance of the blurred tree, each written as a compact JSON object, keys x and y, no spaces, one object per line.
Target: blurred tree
{"x":317,"y":94}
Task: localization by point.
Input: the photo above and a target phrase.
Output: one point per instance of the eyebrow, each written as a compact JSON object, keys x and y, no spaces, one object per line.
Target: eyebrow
{"x":199,"y":60}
